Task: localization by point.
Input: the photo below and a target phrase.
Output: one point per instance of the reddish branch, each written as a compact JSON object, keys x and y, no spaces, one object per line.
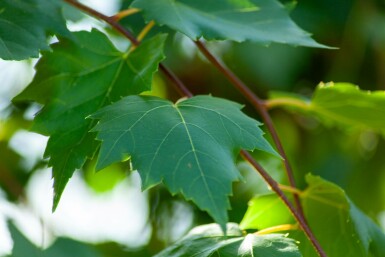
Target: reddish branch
{"x":254,"y":99}
{"x":259,"y":106}
{"x":275,"y":187}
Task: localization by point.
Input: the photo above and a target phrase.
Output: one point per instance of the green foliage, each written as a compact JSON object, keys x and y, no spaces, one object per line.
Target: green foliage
{"x":349,"y":232}
{"x":100,"y":112}
{"x":355,"y":233}
{"x":262,"y":21}
{"x":25,"y":25}
{"x":80,"y":77}
{"x":62,"y":246}
{"x":208,"y":240}
{"x":265,"y":211}
{"x":188,"y":145}
{"x":341,"y":103}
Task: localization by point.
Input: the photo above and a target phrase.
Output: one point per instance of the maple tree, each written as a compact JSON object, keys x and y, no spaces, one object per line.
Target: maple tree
{"x":97,"y":105}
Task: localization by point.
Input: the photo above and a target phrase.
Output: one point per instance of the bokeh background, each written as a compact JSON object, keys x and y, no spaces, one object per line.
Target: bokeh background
{"x":108,"y":209}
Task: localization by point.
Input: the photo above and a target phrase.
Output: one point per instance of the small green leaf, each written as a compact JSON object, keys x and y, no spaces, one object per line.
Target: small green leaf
{"x":266,"y":211}
{"x":75,"y":80}
{"x":262,"y":21}
{"x":340,"y":103}
{"x":190,"y":146}
{"x":24,"y":26}
{"x":209,"y":241}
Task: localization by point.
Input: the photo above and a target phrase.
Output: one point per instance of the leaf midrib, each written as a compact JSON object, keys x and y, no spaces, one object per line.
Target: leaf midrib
{"x":196,"y":158}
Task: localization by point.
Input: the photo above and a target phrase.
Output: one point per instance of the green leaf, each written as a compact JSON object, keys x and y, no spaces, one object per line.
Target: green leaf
{"x":349,"y":232}
{"x":23,"y":247}
{"x":25,"y":24}
{"x":190,"y":146}
{"x":62,"y":246}
{"x":75,"y":80}
{"x":340,"y":227}
{"x":105,"y":180}
{"x":262,"y":21}
{"x":209,"y":241}
{"x":340,"y":103}
{"x":266,"y":211}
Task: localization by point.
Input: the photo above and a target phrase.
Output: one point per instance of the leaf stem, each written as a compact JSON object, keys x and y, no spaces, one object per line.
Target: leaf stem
{"x":290,"y":189}
{"x":260,"y":106}
{"x":145,"y":30}
{"x":275,"y":187}
{"x":286,"y":101}
{"x":279,"y":228}
{"x":124,"y":13}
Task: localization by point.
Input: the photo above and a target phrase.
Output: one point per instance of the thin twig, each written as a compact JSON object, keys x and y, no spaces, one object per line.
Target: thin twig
{"x":110,"y":20}
{"x":183,"y":90}
{"x":275,"y":187}
{"x":259,"y":105}
{"x":178,"y":84}
{"x":290,"y":189}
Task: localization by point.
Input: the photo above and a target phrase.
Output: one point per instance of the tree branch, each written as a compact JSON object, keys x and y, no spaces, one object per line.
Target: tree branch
{"x":178,"y":84}
{"x":183,"y":90}
{"x":110,"y":20}
{"x":259,"y":105}
{"x":275,"y":187}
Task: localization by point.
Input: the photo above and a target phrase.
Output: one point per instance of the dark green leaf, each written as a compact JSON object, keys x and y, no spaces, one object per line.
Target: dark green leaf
{"x":22,"y":246}
{"x":62,"y":247}
{"x":262,"y":21}
{"x":190,"y":145}
{"x":208,"y":240}
{"x":25,"y":24}
{"x":341,"y":103}
{"x":75,"y":80}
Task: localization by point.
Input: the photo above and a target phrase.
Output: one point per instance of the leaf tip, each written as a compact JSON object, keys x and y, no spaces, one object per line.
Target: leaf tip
{"x":56,"y":200}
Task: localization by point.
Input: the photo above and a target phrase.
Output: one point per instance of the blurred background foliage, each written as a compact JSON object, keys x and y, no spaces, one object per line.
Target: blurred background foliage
{"x":353,"y":159}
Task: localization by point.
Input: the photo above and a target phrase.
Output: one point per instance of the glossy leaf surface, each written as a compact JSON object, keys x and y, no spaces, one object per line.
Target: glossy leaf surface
{"x":262,"y":21}
{"x":191,"y":146}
